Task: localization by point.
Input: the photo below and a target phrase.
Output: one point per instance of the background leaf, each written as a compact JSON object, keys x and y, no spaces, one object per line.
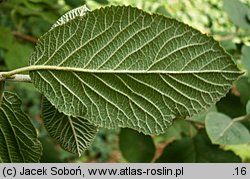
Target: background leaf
{"x":243,"y":86}
{"x":238,"y":12}
{"x":246,"y":58}
{"x":200,"y":118}
{"x":222,"y":129}
{"x":6,"y":37}
{"x":240,"y":150}
{"x":136,"y":147}
{"x":231,"y":105}
{"x":51,"y":152}
{"x":179,"y":129}
{"x":75,"y":3}
{"x":122,"y":67}
{"x":74,"y":134}
{"x":197,"y":149}
{"x":102,"y":1}
{"x":17,"y":56}
{"x":18,"y":137}
{"x":248,"y":107}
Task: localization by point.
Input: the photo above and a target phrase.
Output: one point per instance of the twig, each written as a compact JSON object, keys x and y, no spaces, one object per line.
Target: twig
{"x":25,"y":37}
{"x":17,"y":78}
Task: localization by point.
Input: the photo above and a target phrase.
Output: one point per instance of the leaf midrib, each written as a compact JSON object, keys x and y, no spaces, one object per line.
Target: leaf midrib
{"x":74,"y":69}
{"x":75,"y":136}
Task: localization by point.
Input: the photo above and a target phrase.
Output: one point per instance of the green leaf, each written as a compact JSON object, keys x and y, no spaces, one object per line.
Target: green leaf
{"x":237,"y":12}
{"x":221,"y":129}
{"x":162,"y":10}
{"x":122,"y":67}
{"x":228,"y":45}
{"x":51,"y":152}
{"x":6,"y":37}
{"x":74,"y":134}
{"x":202,"y":116}
{"x":50,"y":2}
{"x":75,"y":3}
{"x":1,"y":91}
{"x":103,"y":2}
{"x":38,"y":28}
{"x":17,"y":56}
{"x":246,"y":58}
{"x":18,"y":137}
{"x":231,"y":105}
{"x":136,"y":147}
{"x":243,"y":86}
{"x":179,"y":129}
{"x":248,"y":107}
{"x":243,"y":151}
{"x":196,"y":150}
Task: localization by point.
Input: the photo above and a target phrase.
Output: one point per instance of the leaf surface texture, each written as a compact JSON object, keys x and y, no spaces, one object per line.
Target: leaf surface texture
{"x":74,"y":134}
{"x":18,"y":138}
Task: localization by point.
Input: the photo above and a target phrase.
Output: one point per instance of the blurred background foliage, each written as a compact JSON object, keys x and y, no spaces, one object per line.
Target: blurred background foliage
{"x":22,"y":22}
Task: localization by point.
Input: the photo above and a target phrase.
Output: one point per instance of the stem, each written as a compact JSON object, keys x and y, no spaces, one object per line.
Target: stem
{"x":237,"y":119}
{"x":242,"y":118}
{"x":194,"y":121}
{"x":20,"y":78}
{"x":16,"y":71}
{"x":25,"y":37}
{"x":16,"y":78}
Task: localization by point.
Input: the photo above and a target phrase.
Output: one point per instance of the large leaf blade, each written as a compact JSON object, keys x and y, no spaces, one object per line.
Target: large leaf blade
{"x":18,"y":137}
{"x":122,"y":67}
{"x":74,"y":134}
